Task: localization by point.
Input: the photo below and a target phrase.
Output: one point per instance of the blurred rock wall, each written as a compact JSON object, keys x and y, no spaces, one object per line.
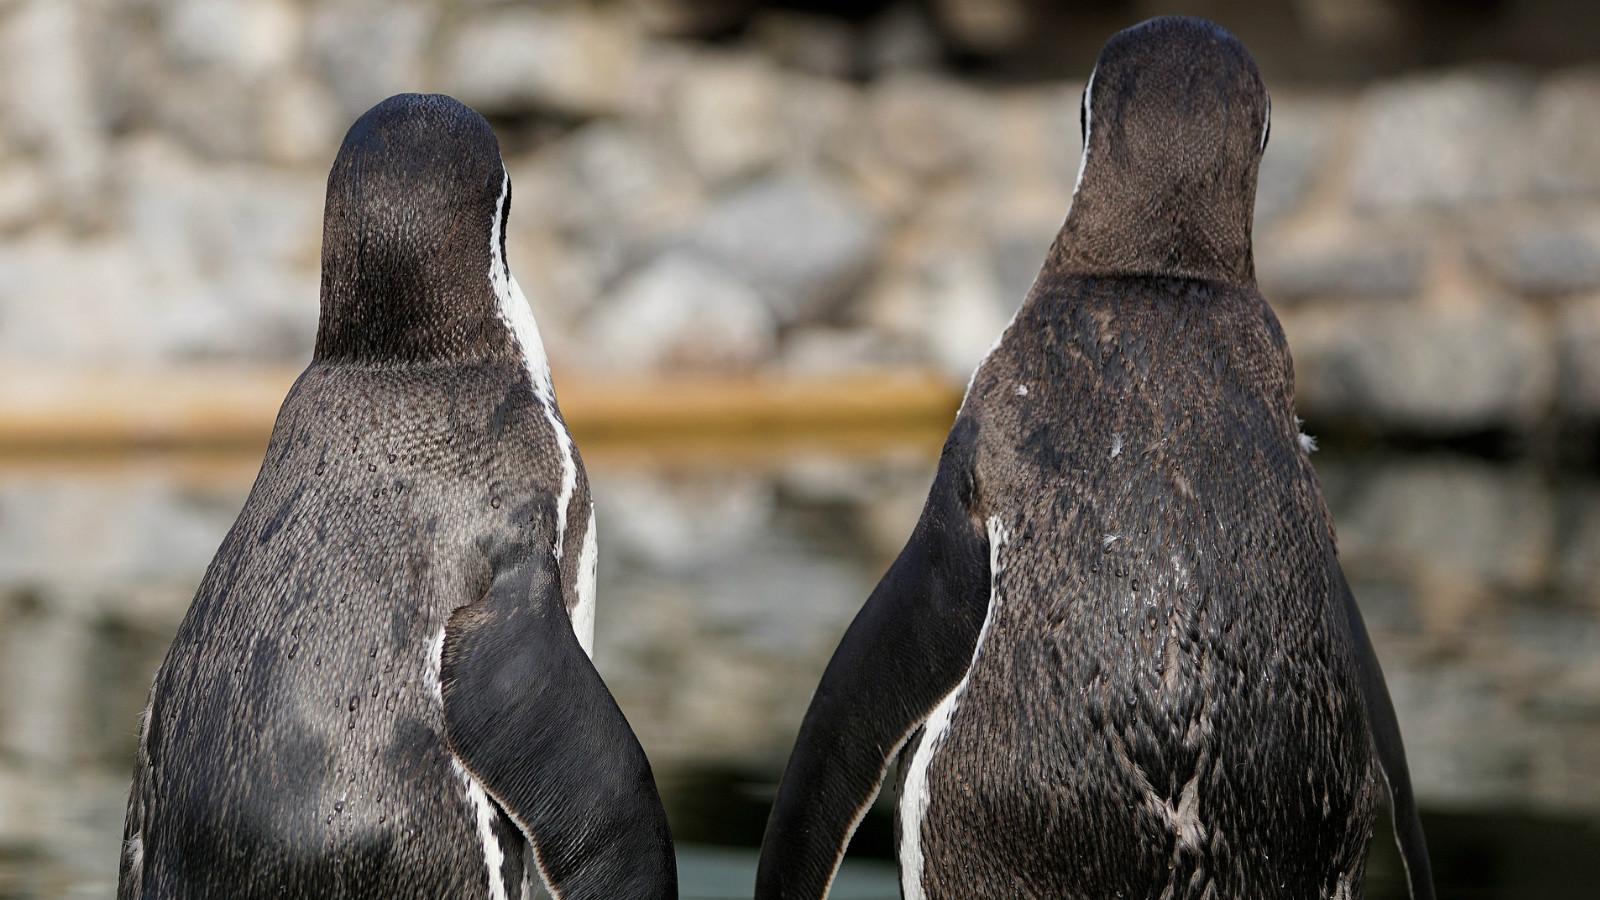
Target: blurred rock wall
{"x":809,"y":195}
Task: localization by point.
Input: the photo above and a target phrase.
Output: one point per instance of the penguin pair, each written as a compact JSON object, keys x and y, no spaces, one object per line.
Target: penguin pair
{"x":1117,"y":657}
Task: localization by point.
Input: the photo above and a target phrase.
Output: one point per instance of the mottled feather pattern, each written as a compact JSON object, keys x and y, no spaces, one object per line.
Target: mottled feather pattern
{"x":1167,"y":712}
{"x":295,"y":715}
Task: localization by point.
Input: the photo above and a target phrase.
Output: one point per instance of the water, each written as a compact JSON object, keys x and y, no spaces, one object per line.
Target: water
{"x":726,"y":578}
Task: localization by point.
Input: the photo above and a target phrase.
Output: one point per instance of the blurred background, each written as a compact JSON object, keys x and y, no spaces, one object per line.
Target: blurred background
{"x":766,"y":243}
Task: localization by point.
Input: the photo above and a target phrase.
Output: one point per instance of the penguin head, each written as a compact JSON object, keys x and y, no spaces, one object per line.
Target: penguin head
{"x":413,"y":244}
{"x":1175,"y":118}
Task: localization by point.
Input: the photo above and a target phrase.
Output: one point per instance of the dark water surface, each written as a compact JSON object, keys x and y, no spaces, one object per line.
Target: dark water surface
{"x":725,"y":584}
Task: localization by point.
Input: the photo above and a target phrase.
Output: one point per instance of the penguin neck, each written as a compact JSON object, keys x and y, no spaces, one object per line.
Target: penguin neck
{"x":417,"y":288}
{"x":1168,"y":231}
{"x":406,"y":310}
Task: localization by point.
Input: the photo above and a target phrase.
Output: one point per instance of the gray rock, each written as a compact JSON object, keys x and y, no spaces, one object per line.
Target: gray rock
{"x":1459,"y":520}
{"x":679,"y":556}
{"x":213,"y":216}
{"x":224,"y":258}
{"x":301,"y":122}
{"x":819,"y":45}
{"x":368,"y":50}
{"x":617,"y":193}
{"x":215,"y":114}
{"x":875,"y":488}
{"x":1562,"y":137}
{"x":682,"y":313}
{"x":1440,"y":703}
{"x":221,"y":64}
{"x":23,"y":198}
{"x":1545,"y":258}
{"x":250,"y":37}
{"x":568,"y":61}
{"x":801,"y":240}
{"x":681,"y":525}
{"x":1320,"y":265}
{"x":681,"y":18}
{"x":1423,"y":370}
{"x":1440,"y":142}
{"x":1303,"y":132}
{"x":949,"y":300}
{"x":628,"y":173}
{"x":1576,"y":567}
{"x":47,"y":102}
{"x":77,"y":302}
{"x":144,"y":531}
{"x":727,"y":117}
{"x":820,"y":120}
{"x":1017,"y":257}
{"x":902,"y":38}
{"x":925,"y":126}
{"x":1578,"y":349}
{"x":822,"y":351}
{"x":1026,"y":175}
{"x":985,"y":25}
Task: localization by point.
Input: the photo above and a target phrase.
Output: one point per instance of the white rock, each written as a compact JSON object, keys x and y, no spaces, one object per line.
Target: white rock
{"x":1423,"y":369}
{"x":46,"y":100}
{"x":1305,"y":130}
{"x":301,"y":122}
{"x":802,"y":241}
{"x":1568,"y":147}
{"x":681,"y":312}
{"x":77,"y":302}
{"x":815,"y":350}
{"x":820,"y":45}
{"x":820,"y":119}
{"x":964,"y":314}
{"x":206,"y":216}
{"x":927,"y":126}
{"x":951,"y":301}
{"x":1450,"y":518}
{"x":985,"y":25}
{"x":144,"y":530}
{"x":625,"y":176}
{"x":1578,"y":341}
{"x":615,"y":193}
{"x":22,"y":195}
{"x":1441,"y":142}
{"x":250,"y":37}
{"x":681,"y":525}
{"x":903,"y":37}
{"x":527,"y":60}
{"x":727,"y":118}
{"x":368,"y":50}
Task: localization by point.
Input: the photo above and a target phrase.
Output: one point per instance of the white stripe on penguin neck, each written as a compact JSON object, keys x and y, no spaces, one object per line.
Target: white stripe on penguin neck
{"x":1088,"y":129}
{"x":518,"y":316}
{"x":514,"y":310}
{"x":1266,"y":125}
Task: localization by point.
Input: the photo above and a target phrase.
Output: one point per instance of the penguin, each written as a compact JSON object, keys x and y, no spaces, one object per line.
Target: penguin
{"x":1117,"y":656}
{"x":383,"y":686}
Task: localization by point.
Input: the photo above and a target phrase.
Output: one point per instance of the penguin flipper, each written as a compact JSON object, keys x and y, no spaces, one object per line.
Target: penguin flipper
{"x":528,"y":716}
{"x":908,"y":647}
{"x":1390,"y":750}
